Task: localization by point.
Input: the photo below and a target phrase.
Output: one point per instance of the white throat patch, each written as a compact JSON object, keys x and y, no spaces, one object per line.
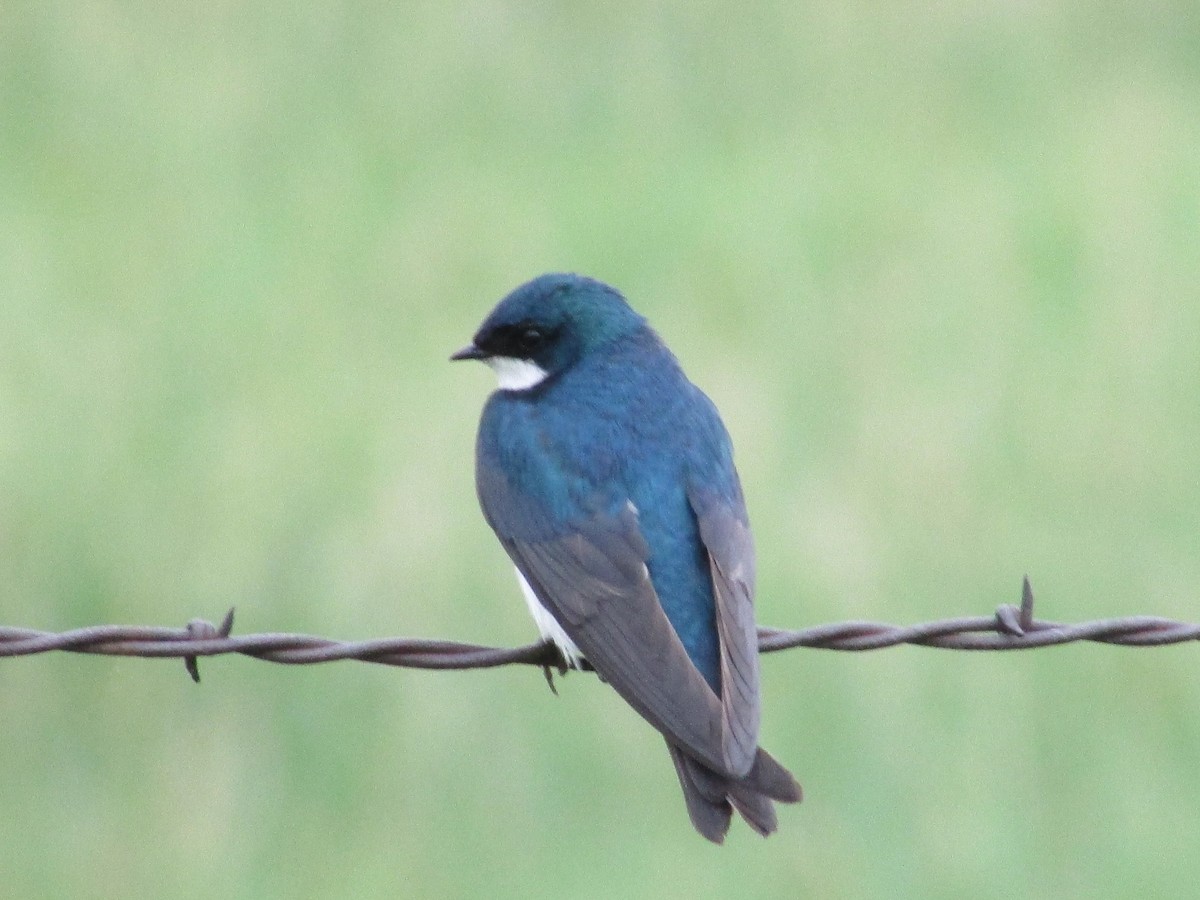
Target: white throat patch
{"x":516,"y":374}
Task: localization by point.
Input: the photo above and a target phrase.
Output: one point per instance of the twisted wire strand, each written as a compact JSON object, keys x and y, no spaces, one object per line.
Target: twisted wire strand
{"x":1010,"y":628}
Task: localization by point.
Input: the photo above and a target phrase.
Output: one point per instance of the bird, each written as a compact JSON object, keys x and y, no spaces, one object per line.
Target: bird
{"x":608,"y":478}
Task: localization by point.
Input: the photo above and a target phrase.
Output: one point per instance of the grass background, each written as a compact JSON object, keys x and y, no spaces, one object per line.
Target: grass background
{"x":937,"y":264}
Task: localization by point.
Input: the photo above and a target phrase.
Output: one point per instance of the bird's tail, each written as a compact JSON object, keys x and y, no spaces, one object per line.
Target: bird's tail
{"x":712,"y":797}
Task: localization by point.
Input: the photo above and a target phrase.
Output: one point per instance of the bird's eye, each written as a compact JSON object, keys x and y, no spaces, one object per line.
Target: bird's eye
{"x":530,"y":339}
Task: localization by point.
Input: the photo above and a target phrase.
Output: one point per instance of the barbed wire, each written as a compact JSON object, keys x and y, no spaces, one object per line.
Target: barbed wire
{"x":1009,"y":628}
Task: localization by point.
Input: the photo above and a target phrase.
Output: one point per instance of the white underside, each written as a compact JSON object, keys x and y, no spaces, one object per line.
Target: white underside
{"x":516,"y":374}
{"x":548,"y":626}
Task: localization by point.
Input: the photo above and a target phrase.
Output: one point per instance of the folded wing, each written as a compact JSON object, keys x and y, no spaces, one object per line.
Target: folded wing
{"x":595,"y":582}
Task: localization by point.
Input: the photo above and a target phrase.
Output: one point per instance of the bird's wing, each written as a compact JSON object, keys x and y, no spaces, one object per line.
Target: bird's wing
{"x":594,"y":581}
{"x":725,"y":532}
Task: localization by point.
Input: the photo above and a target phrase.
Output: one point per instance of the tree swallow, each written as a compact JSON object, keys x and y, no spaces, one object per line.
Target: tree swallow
{"x":609,"y":479}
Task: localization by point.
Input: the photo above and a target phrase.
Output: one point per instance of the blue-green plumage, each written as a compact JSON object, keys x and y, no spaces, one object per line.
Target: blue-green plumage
{"x":575,"y":450}
{"x":609,"y":479}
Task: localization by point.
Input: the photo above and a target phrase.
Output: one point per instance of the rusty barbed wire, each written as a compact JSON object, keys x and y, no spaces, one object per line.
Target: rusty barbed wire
{"x":1009,"y":628}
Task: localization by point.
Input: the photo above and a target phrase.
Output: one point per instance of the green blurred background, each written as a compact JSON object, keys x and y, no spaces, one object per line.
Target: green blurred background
{"x":937,"y":264}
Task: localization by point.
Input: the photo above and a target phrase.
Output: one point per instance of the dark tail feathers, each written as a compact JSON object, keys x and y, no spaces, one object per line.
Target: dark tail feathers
{"x":711,"y":797}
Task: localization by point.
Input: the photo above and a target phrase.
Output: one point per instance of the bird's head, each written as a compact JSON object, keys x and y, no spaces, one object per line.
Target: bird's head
{"x":547,"y":325}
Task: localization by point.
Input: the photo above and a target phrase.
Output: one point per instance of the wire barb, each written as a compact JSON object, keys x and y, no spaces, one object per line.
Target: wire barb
{"x":202,"y":629}
{"x":1009,"y":628}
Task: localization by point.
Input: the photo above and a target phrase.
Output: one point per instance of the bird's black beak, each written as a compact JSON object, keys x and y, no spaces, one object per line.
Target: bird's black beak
{"x":468,"y":352}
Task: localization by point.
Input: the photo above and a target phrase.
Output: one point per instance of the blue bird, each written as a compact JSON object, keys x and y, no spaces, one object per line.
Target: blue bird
{"x":609,"y":479}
